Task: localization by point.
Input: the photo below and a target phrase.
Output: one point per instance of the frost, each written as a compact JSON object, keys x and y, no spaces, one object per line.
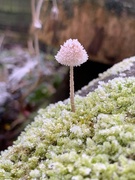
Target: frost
{"x":99,"y":166}
{"x":19,"y":73}
{"x":76,"y":130}
{"x":71,"y":53}
{"x":4,"y":95}
{"x":95,"y":142}
{"x":76,"y":177}
{"x":84,"y":171}
{"x":117,"y":70}
{"x":35,"y":173}
{"x":126,"y":64}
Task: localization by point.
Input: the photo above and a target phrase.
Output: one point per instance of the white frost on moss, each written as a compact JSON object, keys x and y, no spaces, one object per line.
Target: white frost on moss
{"x":117,"y":69}
{"x":124,"y":65}
{"x":35,"y":173}
{"x":95,"y":142}
{"x":76,"y":130}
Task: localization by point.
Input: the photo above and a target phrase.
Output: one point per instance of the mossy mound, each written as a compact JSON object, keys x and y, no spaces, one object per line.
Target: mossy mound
{"x":97,"y":142}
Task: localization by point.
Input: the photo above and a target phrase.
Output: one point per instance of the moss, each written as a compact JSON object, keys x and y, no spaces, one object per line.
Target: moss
{"x":95,"y":142}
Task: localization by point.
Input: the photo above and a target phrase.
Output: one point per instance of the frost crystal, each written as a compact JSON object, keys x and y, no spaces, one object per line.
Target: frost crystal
{"x":95,"y":142}
{"x":19,"y":73}
{"x":4,"y":95}
{"x":72,"y":53}
{"x":37,"y":24}
{"x":35,"y":173}
{"x":76,"y":130}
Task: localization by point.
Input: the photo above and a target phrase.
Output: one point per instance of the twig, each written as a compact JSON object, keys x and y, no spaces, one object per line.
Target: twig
{"x":38,"y":8}
{"x":54,"y":3}
{"x":33,"y":11}
{"x":1,"y":40}
{"x":36,"y":42}
{"x":32,"y":88}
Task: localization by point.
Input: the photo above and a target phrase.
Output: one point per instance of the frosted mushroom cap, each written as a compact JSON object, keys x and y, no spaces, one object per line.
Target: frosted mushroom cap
{"x":37,"y":24}
{"x":72,"y":53}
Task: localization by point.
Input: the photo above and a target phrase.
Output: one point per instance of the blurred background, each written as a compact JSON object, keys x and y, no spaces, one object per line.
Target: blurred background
{"x":31,"y":32}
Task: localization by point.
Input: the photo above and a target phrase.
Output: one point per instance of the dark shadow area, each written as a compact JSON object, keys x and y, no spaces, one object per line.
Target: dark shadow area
{"x":82,"y":76}
{"x":86,"y":72}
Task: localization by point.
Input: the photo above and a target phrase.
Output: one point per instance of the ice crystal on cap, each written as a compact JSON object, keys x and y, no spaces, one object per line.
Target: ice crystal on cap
{"x":37,"y":24}
{"x":72,"y":53}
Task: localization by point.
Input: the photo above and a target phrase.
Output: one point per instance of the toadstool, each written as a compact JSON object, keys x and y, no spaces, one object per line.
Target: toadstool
{"x":72,"y":53}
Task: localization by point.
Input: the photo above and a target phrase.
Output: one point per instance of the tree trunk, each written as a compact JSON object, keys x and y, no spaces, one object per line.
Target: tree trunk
{"x":106,"y":28}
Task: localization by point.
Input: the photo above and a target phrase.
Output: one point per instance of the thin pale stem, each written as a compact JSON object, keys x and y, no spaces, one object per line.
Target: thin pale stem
{"x":33,"y":10}
{"x":38,"y":8}
{"x":36,"y":42}
{"x":37,"y":50}
{"x":72,"y":89}
{"x":54,"y":2}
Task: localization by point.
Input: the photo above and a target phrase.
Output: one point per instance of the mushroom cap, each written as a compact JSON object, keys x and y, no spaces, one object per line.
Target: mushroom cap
{"x":72,"y":53}
{"x":37,"y":24}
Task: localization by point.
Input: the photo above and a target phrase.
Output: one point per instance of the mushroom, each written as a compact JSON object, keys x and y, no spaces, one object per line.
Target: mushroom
{"x":72,"y":53}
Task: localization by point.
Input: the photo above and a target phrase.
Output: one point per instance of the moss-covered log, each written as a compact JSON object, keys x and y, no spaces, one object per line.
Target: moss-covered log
{"x":95,"y":142}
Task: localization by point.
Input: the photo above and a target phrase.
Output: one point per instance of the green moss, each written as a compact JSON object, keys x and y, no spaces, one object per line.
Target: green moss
{"x":95,"y":142}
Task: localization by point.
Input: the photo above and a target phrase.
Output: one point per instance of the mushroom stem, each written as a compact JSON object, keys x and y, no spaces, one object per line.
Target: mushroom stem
{"x":72,"y":89}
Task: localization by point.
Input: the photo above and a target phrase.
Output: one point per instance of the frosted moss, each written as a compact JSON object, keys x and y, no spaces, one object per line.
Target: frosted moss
{"x":96,"y":142}
{"x":124,"y":68}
